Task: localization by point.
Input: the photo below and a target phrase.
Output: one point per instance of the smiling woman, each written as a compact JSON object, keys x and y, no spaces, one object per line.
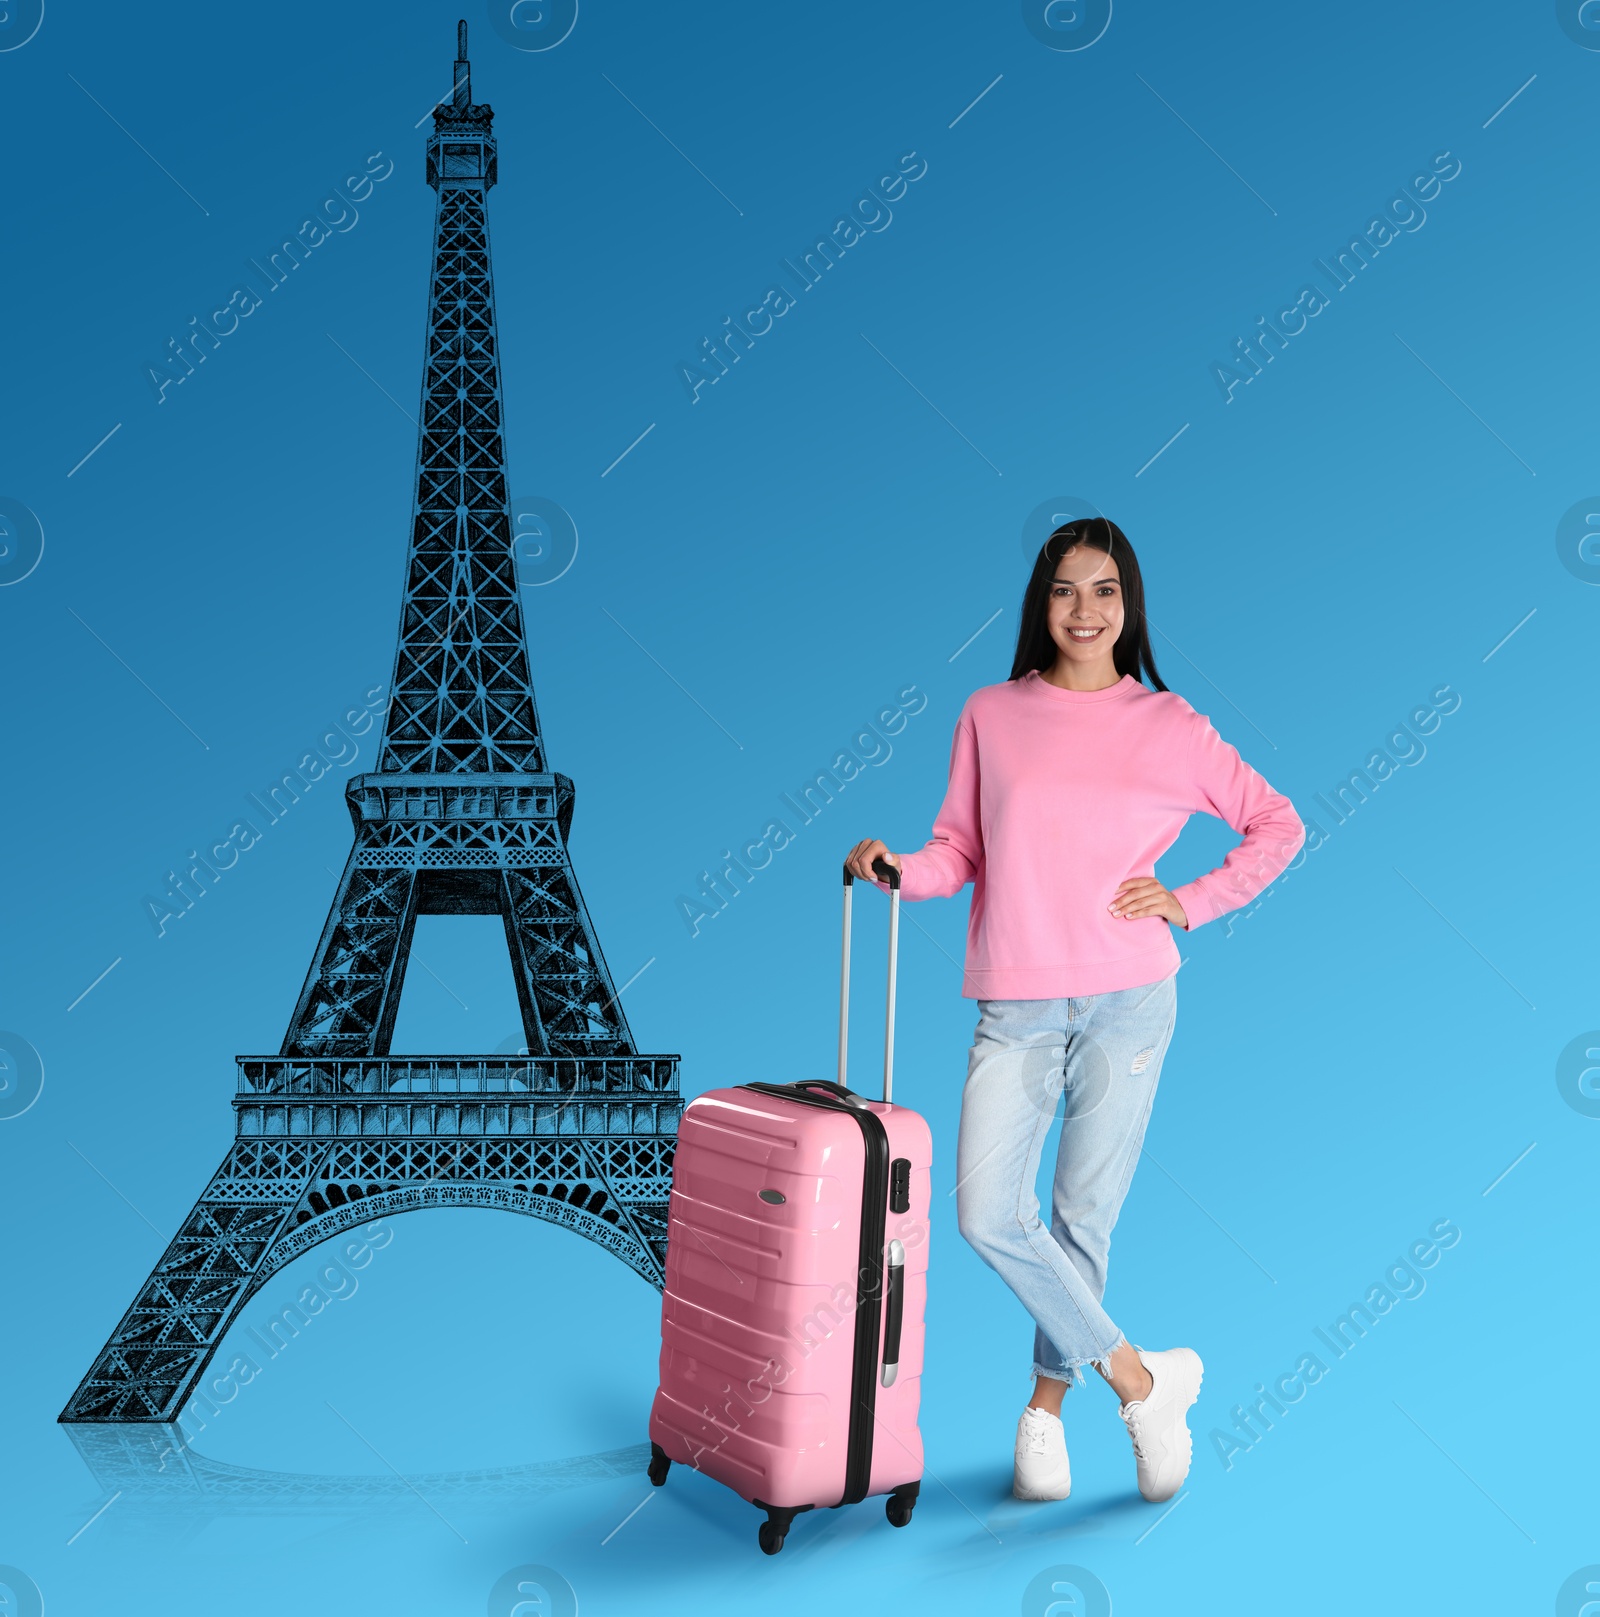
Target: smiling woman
{"x":1067,"y":783}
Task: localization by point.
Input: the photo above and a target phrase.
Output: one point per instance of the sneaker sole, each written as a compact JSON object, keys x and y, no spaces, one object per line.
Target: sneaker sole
{"x":1037,"y":1496}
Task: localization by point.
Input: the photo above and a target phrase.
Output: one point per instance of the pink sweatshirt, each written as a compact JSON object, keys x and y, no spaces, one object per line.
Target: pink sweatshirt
{"x":1057,"y":797}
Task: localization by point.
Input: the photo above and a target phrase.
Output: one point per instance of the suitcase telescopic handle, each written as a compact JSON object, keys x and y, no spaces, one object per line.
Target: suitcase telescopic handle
{"x":887,"y":873}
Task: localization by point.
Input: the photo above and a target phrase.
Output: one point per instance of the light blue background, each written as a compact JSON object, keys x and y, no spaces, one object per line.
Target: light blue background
{"x":1365,"y":522}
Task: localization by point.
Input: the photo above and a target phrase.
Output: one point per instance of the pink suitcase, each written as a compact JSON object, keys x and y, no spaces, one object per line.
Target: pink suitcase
{"x":797,"y":1262}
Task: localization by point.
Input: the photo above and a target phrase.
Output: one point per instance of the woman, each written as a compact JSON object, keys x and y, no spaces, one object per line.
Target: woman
{"x":1067,"y":783}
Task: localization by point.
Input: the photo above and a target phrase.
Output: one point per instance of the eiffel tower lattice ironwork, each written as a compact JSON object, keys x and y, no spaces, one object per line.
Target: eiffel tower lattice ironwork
{"x":461,"y":817}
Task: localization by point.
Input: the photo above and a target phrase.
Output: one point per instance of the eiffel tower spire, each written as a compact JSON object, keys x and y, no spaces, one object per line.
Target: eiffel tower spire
{"x":461,"y":95}
{"x":461,"y":696}
{"x":461,"y":816}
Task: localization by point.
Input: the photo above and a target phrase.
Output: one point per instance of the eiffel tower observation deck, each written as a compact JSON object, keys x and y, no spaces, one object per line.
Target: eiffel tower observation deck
{"x":462,"y":817}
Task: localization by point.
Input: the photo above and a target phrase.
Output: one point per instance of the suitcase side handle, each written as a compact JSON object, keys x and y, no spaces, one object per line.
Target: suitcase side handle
{"x":896,"y":1312}
{"x":890,"y":874}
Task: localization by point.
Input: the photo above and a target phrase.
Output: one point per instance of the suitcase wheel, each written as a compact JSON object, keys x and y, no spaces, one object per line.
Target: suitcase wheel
{"x":899,"y":1505}
{"x":780,"y":1518}
{"x":659,"y":1465}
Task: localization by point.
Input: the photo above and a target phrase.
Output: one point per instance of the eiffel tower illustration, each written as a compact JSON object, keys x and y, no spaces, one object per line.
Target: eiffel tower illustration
{"x":462,"y":817}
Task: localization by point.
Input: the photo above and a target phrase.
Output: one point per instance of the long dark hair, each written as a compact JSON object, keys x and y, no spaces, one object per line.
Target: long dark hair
{"x":1131,"y":654}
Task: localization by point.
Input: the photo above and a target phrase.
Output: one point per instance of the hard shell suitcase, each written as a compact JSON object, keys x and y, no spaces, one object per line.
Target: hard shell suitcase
{"x":797,"y":1260}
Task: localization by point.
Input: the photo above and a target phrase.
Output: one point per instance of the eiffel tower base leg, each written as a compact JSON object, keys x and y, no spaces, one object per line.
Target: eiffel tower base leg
{"x":156,"y":1356}
{"x":274,"y":1199}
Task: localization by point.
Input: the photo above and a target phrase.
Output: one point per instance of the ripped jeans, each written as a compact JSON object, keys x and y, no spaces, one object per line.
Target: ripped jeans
{"x":1104,"y":1053}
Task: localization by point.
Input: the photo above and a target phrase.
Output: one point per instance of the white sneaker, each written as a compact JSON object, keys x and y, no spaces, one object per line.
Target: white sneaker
{"x":1161,"y":1441}
{"x":1042,"y":1470}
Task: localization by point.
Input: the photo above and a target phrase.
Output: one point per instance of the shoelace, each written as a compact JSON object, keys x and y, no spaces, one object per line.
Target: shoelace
{"x":1134,"y":1417}
{"x":1034,"y":1433}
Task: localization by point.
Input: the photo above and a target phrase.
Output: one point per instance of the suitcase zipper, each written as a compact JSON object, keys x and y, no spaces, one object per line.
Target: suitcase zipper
{"x":869,"y":1277}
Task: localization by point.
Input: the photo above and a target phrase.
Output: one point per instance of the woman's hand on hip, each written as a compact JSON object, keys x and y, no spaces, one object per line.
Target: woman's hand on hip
{"x":1144,"y":895}
{"x":859,"y":860}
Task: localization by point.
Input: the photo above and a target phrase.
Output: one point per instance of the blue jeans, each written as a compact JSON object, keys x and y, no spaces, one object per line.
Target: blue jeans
{"x":1104,"y":1053}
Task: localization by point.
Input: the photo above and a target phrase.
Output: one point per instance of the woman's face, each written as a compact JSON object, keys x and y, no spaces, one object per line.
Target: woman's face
{"x":1085,"y":606}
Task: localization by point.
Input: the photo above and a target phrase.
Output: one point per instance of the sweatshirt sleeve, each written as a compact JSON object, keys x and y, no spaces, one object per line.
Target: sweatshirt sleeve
{"x":1226,"y":786}
{"x":952,"y":856}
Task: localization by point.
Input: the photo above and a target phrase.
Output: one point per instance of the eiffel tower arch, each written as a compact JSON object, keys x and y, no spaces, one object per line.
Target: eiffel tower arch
{"x":461,"y":817}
